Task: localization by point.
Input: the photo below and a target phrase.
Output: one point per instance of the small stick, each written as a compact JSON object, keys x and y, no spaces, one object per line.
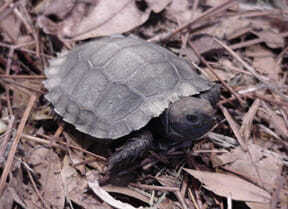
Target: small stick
{"x":235,"y":127}
{"x":12,"y":152}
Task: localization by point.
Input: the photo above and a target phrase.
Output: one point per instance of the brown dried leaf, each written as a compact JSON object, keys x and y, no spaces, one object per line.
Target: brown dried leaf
{"x":274,"y":120}
{"x":228,"y":26}
{"x":158,"y":6}
{"x":170,"y":181}
{"x":230,"y":186}
{"x":13,"y":20}
{"x":204,"y":45}
{"x":257,"y":165}
{"x":10,"y":34}
{"x":272,"y":39}
{"x":258,"y":50}
{"x":231,"y":27}
{"x":6,"y":199}
{"x":76,"y":187}
{"x":255,"y":4}
{"x":264,"y":62}
{"x":103,"y":195}
{"x":56,"y":7}
{"x":224,"y":72}
{"x":214,"y":3}
{"x":127,"y":192}
{"x":257,"y":205}
{"x":99,"y":18}
{"x":180,"y":11}
{"x":235,"y":127}
{"x":245,"y":129}
{"x":267,"y":65}
{"x":48,"y":165}
{"x":14,"y":191}
{"x":21,"y":98}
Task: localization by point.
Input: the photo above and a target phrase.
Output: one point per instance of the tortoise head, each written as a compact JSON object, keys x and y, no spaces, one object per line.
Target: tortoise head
{"x":188,"y":119}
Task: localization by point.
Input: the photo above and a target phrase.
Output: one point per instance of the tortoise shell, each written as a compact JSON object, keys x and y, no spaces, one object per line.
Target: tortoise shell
{"x":112,"y":86}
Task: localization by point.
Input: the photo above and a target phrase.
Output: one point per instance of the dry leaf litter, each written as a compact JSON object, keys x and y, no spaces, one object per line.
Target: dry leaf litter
{"x":241,"y":163}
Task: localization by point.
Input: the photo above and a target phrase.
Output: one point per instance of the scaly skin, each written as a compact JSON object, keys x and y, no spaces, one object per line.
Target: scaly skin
{"x":132,"y":150}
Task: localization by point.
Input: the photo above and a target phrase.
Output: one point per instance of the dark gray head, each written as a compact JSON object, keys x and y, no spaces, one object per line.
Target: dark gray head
{"x":188,"y":119}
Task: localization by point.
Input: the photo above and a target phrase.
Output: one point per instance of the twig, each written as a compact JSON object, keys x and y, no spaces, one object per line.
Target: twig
{"x":181,"y":199}
{"x":245,"y":129}
{"x":10,"y":110}
{"x":22,"y":86}
{"x":237,"y":57}
{"x":30,"y":77}
{"x":35,"y":187}
{"x":208,"y":13}
{"x":61,"y":145}
{"x":12,"y":152}
{"x":193,"y":198}
{"x":215,"y":74}
{"x":158,"y":188}
{"x":272,"y":85}
{"x":253,"y":42}
{"x":234,"y":126}
{"x":5,"y":140}
{"x":19,"y":48}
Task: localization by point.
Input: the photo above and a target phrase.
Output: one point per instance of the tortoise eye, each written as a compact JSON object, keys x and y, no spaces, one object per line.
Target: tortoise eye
{"x":192,"y":118}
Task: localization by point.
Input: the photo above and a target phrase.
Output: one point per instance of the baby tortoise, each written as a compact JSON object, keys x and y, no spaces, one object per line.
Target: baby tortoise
{"x":112,"y":86}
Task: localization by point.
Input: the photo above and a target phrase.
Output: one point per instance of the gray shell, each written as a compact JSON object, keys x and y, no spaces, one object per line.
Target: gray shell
{"x":111,"y":86}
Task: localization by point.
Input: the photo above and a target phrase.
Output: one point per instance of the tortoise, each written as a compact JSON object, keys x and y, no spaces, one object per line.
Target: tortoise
{"x":113,"y":86}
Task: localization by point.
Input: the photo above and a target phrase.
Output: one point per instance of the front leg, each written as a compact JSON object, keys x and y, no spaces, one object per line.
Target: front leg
{"x":132,"y":150}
